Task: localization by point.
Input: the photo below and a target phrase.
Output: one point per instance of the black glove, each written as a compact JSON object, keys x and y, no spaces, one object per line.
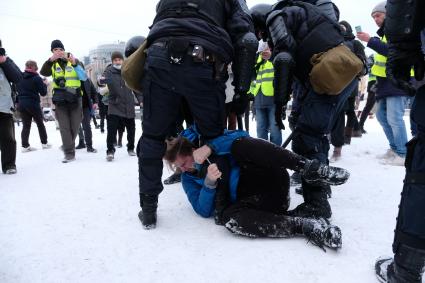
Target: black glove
{"x":401,"y":58}
{"x":239,"y":103}
{"x":278,"y":115}
{"x":293,"y":119}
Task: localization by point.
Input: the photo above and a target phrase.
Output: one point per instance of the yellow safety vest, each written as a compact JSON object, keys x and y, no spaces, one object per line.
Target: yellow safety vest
{"x":379,"y":67}
{"x":264,"y":79}
{"x":70,"y":75}
{"x":372,"y":77}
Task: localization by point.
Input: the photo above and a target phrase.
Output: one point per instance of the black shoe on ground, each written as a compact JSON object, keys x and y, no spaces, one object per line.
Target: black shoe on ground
{"x":91,"y":149}
{"x":80,"y":146}
{"x":102,"y":131}
{"x":316,"y":173}
{"x":148,"y":213}
{"x":173,"y":179}
{"x":109,"y":156}
{"x":119,"y":144}
{"x":131,"y":152}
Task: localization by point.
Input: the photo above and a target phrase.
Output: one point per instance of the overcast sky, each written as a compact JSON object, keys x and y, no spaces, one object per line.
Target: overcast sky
{"x":28,"y":27}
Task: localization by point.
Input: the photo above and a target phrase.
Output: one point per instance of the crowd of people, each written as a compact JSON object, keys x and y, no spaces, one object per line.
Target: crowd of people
{"x":209,"y":64}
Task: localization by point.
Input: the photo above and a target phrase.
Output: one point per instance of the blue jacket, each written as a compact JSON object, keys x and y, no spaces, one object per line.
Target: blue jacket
{"x":30,"y":89}
{"x":201,"y":197}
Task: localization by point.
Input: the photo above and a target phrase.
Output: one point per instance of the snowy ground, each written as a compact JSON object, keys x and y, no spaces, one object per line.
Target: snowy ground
{"x":78,"y":222}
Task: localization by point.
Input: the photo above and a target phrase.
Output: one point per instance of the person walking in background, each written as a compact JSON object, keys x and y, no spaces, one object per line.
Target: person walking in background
{"x":121,"y":105}
{"x":9,"y":73}
{"x":29,"y":91}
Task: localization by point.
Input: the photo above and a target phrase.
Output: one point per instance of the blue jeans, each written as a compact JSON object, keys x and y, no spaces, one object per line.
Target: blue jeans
{"x":266,"y":123}
{"x":390,"y":112}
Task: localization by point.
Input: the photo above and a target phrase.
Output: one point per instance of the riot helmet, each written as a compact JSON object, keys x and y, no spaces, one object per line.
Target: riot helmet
{"x":133,"y":44}
{"x":259,"y":15}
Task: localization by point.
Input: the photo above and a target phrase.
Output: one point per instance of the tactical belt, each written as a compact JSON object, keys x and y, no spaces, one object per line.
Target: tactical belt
{"x":197,"y":52}
{"x":415,"y":178}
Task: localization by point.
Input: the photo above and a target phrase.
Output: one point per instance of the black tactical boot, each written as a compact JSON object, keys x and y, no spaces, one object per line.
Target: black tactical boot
{"x":319,"y":174}
{"x":80,"y":145}
{"x":407,"y":266}
{"x":173,"y":179}
{"x":321,"y":233}
{"x":148,"y":213}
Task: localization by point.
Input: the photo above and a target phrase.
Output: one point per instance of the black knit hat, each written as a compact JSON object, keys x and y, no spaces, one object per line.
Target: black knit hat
{"x":116,"y":54}
{"x":56,"y":44}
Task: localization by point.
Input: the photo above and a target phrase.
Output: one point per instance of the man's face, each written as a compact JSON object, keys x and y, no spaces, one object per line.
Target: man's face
{"x":379,"y":18}
{"x":59,"y":52}
{"x":117,"y":61}
{"x":266,"y":54}
{"x":185,"y":163}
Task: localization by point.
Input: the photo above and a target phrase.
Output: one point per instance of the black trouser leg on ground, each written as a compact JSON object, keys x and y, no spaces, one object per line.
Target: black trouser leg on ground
{"x":88,"y":136}
{"x":264,"y":154}
{"x":130,"y":125}
{"x":370,"y":102}
{"x":337,"y":134}
{"x":26,"y":127}
{"x":27,"y":115}
{"x":352,"y":121}
{"x":262,"y":200}
{"x":7,"y":142}
{"x":113,"y":124}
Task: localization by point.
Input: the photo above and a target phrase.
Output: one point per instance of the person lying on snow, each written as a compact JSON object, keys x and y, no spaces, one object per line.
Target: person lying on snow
{"x":250,"y":193}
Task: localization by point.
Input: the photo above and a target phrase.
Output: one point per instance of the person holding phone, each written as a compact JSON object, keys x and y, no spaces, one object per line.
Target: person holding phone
{"x":67,"y":76}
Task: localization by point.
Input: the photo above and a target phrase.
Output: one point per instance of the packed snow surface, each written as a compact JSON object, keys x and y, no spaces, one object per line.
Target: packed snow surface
{"x":78,"y":222}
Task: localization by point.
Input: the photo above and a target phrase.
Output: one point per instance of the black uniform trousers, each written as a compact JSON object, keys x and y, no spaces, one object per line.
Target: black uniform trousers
{"x":163,"y":87}
{"x":370,"y":102}
{"x":410,"y":229}
{"x":318,"y":115}
{"x":7,"y":142}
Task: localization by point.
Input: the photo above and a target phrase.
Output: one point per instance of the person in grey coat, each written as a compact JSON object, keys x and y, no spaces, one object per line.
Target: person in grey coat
{"x":9,"y":73}
{"x":121,"y":106}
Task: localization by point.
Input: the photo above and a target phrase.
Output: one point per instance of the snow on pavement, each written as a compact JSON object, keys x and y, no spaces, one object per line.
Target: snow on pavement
{"x":78,"y":222}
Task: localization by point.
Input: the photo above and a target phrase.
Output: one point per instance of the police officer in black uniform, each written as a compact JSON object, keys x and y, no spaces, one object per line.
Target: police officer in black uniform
{"x":403,"y":25}
{"x":297,"y":30}
{"x":189,"y":47}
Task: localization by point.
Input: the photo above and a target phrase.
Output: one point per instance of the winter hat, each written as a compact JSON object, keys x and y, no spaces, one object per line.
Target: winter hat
{"x":56,"y":44}
{"x":380,"y":8}
{"x":116,"y":54}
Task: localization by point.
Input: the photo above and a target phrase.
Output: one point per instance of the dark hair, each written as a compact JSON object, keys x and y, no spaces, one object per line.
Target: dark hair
{"x":175,"y":147}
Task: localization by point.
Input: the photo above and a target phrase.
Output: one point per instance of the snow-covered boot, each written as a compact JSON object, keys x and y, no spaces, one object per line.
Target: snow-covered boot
{"x":317,"y":173}
{"x":407,"y":266}
{"x":322,"y":234}
{"x":148,"y":213}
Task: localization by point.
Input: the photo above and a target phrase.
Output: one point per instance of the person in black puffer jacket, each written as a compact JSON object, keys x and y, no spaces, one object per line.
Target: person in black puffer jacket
{"x":29,"y":91}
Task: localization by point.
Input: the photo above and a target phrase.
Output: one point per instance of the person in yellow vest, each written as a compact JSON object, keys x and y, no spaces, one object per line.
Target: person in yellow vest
{"x":67,"y":76}
{"x":263,"y":91}
{"x":390,"y":100}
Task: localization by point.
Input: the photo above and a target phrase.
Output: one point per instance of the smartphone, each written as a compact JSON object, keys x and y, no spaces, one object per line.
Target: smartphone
{"x":68,"y":54}
{"x":358,"y":29}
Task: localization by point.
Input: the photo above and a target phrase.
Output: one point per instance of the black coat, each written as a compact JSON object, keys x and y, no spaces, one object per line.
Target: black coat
{"x":121,"y":98}
{"x":29,"y":90}
{"x":89,"y":93}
